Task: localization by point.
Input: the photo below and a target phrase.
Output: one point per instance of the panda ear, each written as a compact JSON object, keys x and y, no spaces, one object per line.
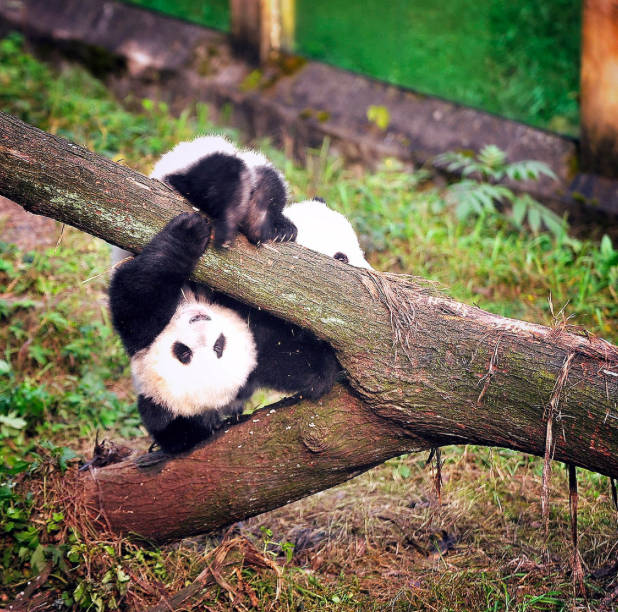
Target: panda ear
{"x":341,"y":257}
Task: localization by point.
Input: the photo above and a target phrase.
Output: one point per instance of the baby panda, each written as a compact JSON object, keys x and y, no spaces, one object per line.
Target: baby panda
{"x":197,"y":356}
{"x":239,"y":189}
{"x":326,"y":231}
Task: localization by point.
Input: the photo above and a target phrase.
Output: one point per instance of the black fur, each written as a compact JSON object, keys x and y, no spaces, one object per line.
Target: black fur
{"x":217,"y":185}
{"x":144,"y":295}
{"x":175,"y":434}
{"x":265,"y":221}
{"x":235,"y":197}
{"x":145,"y":291}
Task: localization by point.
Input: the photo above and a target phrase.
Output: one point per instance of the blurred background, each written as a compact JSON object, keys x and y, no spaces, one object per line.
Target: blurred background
{"x":519,"y":59}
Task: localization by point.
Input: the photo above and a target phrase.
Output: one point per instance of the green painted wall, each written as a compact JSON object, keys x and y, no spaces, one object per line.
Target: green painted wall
{"x":210,"y":13}
{"x":517,"y":58}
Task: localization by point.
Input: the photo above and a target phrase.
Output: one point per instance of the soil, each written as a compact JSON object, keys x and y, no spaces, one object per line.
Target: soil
{"x":26,"y":230}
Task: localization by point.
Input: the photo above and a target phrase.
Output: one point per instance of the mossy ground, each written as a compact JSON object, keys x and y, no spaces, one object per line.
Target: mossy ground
{"x":380,"y":542}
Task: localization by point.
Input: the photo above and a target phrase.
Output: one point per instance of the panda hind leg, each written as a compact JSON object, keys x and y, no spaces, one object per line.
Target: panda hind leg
{"x":265,"y":221}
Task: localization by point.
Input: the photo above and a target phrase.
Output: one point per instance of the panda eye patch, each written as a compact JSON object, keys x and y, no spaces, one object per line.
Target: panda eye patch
{"x":219,"y":346}
{"x":182,"y":352}
{"x":341,"y":257}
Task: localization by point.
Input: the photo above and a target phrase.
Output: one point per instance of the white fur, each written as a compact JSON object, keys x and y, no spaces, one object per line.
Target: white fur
{"x":206,"y":383}
{"x":187,"y":154}
{"x":326,"y":231}
{"x":254,"y":159}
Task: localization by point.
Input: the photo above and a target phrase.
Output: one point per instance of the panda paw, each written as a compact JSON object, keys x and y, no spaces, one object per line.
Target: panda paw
{"x":192,"y":230}
{"x":282,"y":230}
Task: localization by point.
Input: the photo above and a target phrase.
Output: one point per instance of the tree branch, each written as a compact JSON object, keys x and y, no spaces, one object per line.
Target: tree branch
{"x":423,"y":366}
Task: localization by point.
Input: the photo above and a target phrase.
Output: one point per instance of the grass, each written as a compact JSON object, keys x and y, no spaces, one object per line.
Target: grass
{"x":378,"y":543}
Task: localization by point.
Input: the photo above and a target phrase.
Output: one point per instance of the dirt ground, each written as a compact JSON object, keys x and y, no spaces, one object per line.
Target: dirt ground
{"x":26,"y":230}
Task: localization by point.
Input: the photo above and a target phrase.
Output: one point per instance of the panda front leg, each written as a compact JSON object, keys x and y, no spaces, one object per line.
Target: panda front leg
{"x":265,"y":221}
{"x":145,"y":291}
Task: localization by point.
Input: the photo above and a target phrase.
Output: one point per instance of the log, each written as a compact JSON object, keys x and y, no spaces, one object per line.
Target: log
{"x":422,"y":370}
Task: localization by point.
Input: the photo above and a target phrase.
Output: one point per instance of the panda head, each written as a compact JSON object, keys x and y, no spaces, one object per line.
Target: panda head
{"x":326,"y":231}
{"x":199,"y":362}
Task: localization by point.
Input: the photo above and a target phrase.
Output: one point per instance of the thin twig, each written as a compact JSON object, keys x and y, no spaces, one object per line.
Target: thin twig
{"x":493,"y":362}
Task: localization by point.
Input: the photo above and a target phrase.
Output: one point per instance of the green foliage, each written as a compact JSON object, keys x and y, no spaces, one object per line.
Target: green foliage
{"x":75,"y":105}
{"x":479,"y":193}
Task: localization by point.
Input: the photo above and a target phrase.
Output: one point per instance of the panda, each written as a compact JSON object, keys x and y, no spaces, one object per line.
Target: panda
{"x":196,"y":355}
{"x":326,"y":231}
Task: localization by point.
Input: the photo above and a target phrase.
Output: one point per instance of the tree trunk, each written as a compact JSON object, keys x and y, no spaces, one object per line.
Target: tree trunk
{"x":422,"y":370}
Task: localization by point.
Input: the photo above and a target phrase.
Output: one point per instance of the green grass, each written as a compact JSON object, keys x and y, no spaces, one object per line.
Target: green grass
{"x":379,"y":542}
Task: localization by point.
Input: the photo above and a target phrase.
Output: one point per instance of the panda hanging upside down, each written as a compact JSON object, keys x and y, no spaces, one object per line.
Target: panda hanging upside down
{"x":197,"y":355}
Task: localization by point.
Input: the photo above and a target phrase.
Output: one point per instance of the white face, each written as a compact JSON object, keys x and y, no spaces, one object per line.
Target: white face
{"x":326,"y":231}
{"x":199,"y":362}
{"x":186,"y":154}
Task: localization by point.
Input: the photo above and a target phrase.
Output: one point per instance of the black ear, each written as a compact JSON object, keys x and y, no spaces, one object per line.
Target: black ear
{"x":341,"y":257}
{"x":175,"y":434}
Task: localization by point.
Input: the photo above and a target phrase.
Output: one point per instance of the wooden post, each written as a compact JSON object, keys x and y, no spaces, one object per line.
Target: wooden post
{"x":261,"y":27}
{"x":599,"y":88}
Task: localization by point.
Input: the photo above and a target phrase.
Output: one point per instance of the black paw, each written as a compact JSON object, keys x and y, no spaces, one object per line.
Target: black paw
{"x":225,"y":233}
{"x":191,"y":229}
{"x":282,"y":230}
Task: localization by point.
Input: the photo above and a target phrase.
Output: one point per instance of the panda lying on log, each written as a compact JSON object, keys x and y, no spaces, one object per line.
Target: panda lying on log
{"x":196,"y":355}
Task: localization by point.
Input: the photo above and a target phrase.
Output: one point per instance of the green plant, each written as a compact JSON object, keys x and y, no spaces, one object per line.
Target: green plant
{"x":479,"y":193}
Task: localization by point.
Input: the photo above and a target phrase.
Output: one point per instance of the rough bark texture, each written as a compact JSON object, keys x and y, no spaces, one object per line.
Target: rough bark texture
{"x":422,"y":369}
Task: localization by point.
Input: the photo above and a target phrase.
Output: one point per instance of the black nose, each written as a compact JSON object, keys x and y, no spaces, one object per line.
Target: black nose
{"x":199,"y":317}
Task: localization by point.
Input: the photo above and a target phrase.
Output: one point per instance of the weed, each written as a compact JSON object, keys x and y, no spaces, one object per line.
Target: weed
{"x":481,"y":194}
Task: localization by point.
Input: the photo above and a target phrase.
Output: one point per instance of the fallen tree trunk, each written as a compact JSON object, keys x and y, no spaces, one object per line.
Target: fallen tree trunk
{"x":422,"y":369}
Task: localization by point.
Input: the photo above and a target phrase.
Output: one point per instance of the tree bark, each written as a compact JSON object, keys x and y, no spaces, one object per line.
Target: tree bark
{"x":422,"y":369}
